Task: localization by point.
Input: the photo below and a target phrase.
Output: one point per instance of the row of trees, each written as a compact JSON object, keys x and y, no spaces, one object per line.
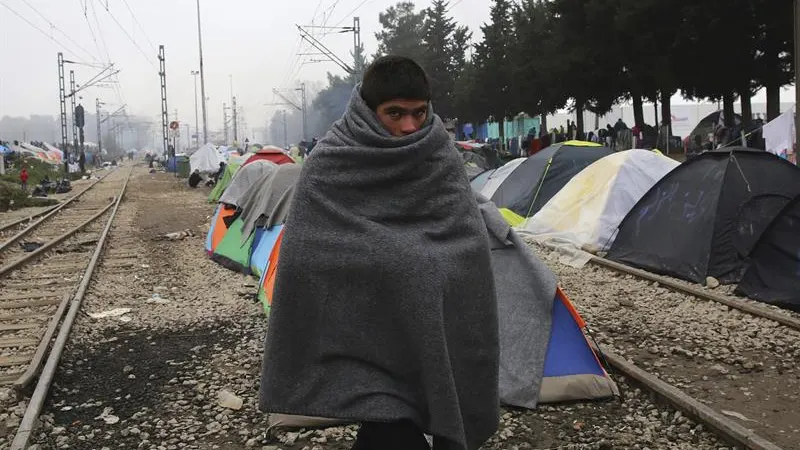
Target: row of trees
{"x":539,"y":56}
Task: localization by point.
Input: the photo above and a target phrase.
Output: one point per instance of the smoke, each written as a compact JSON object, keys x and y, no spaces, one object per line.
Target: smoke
{"x":324,"y":109}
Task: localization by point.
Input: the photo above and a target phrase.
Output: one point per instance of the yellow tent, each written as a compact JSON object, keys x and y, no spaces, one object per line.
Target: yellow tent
{"x":586,"y":212}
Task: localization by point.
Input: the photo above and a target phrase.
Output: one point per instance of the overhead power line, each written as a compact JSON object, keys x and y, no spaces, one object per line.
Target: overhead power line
{"x":33,"y":25}
{"x":350,"y":14}
{"x":100,"y":32}
{"x":130,"y":38}
{"x":54,"y":27}
{"x":136,"y":21}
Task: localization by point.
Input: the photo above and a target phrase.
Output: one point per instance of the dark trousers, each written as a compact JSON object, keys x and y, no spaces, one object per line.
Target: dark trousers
{"x":403,"y":435}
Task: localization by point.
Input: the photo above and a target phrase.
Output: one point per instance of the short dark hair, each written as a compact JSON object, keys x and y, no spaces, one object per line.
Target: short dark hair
{"x":392,"y":77}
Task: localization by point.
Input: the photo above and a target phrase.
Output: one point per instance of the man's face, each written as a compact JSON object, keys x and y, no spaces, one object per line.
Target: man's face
{"x":402,"y":117}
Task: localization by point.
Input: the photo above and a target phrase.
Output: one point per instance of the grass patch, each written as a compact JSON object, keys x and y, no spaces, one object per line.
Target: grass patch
{"x":13,"y":197}
{"x":37,"y":170}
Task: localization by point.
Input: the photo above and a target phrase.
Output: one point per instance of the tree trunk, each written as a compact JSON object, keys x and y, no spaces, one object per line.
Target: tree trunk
{"x":501,"y":125}
{"x":543,"y":124}
{"x":655,"y":112}
{"x":578,"y":119}
{"x":773,"y":101}
{"x":665,"y":130}
{"x":666,"y":107}
{"x":745,"y":97}
{"x":638,"y":109}
{"x":727,"y":107}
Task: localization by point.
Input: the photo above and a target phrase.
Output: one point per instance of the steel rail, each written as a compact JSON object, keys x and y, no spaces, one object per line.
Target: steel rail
{"x":752,"y":309}
{"x":48,"y":213}
{"x":725,"y":428}
{"x":39,"y":396}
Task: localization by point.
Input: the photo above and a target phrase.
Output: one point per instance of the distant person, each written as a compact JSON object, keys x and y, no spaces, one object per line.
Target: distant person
{"x":194,"y":179}
{"x":375,"y":316}
{"x":23,"y":178}
{"x":219,"y":172}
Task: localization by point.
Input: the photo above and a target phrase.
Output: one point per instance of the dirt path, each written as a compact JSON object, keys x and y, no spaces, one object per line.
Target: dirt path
{"x":152,"y":378}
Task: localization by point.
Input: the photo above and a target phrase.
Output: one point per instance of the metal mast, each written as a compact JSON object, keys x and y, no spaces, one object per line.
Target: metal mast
{"x":99,"y":133}
{"x":235,"y":121}
{"x":63,"y":104}
{"x":72,"y":106}
{"x":202,"y":76}
{"x":162,"y":73}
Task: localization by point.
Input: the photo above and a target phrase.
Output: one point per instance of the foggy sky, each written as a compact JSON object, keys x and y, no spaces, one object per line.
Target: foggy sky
{"x":255,"y":41}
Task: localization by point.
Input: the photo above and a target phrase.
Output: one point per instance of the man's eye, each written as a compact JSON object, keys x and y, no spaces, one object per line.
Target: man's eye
{"x":395,"y":115}
{"x":419,"y":114}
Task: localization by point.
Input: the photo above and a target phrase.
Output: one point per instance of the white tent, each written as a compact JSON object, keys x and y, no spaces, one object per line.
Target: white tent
{"x":498,"y":176}
{"x":205,"y":159}
{"x":586,"y":212}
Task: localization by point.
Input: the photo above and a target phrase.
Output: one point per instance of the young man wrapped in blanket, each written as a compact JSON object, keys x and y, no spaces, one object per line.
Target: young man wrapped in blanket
{"x":384,"y":309}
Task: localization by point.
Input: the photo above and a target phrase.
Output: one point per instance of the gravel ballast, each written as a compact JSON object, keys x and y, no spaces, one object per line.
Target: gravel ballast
{"x":180,"y":370}
{"x":743,"y":366}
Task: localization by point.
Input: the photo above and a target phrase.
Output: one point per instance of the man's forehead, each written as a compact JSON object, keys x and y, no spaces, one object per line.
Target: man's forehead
{"x":404,"y":104}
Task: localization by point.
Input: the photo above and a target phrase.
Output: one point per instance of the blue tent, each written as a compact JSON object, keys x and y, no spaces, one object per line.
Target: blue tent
{"x":214,"y":219}
{"x":572,"y":371}
{"x":262,"y":247}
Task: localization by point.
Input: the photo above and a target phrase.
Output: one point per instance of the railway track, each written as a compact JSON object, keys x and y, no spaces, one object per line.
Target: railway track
{"x":729,"y":363}
{"x":41,"y":266}
{"x":24,"y":225}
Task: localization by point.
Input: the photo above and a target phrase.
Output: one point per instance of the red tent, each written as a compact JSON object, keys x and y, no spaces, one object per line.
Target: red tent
{"x":273,"y":154}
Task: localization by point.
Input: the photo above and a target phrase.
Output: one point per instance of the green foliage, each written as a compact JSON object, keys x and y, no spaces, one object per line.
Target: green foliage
{"x":539,"y":56}
{"x":37,"y":170}
{"x":493,"y":60}
{"x":13,"y":197}
{"x":445,"y":56}
{"x":401,"y":33}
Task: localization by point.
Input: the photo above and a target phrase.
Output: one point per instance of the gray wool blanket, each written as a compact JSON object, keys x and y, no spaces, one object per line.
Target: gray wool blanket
{"x":384,"y":305}
{"x":246,"y":177}
{"x":267,"y":201}
{"x":525,"y":288}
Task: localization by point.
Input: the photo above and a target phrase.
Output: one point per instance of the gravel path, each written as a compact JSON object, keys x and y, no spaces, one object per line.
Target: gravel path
{"x":731,"y":360}
{"x":180,"y":370}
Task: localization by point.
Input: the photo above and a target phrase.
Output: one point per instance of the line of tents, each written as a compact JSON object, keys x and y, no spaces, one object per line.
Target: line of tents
{"x":47,"y":153}
{"x":246,"y":232}
{"x":732,"y":214}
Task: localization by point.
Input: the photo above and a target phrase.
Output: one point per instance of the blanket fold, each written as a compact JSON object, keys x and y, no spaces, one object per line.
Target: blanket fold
{"x":525,"y":289}
{"x":384,"y":305}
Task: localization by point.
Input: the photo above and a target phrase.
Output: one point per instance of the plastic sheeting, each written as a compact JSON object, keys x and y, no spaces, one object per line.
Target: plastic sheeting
{"x":586,"y":212}
{"x":205,"y":159}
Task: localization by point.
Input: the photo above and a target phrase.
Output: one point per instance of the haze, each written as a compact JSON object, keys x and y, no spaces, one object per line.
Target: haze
{"x":254,"y":43}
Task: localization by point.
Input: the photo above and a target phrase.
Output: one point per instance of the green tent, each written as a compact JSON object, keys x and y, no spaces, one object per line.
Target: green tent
{"x":224,"y":181}
{"x":231,"y":252}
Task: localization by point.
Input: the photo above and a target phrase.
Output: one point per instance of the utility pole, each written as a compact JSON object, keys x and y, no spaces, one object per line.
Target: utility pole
{"x":176,"y":133}
{"x":164,"y":110}
{"x":62,"y":99}
{"x":285,"y":137}
{"x":97,"y":104}
{"x":225,"y":123}
{"x":195,"y":73}
{"x":796,"y":70}
{"x":202,"y":76}
{"x":357,"y":69}
{"x":235,"y":121}
{"x":72,"y":107}
{"x":302,"y":90}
